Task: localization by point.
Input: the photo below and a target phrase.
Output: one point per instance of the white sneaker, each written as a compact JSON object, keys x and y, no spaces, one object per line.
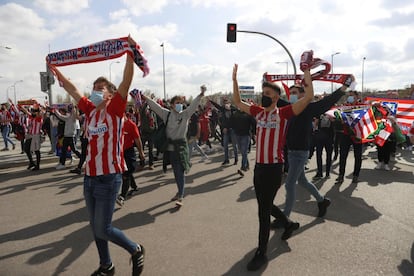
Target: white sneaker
{"x":60,"y":167}
{"x":386,"y":167}
{"x":204,"y":158}
{"x":379,"y":166}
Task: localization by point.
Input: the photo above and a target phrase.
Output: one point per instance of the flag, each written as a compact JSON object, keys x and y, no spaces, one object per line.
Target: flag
{"x":136,"y":95}
{"x":361,"y":121}
{"x":403,"y":110}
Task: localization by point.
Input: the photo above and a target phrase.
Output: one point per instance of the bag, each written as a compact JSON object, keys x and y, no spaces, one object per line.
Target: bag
{"x":324,"y":121}
{"x":159,"y":137}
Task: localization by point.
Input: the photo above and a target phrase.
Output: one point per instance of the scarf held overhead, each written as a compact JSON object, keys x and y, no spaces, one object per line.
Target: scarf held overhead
{"x":99,"y":51}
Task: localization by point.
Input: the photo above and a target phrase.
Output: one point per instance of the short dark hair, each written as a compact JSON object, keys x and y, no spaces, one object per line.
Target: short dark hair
{"x":173,"y":99}
{"x":111,"y":87}
{"x":272,"y":86}
{"x":299,"y":87}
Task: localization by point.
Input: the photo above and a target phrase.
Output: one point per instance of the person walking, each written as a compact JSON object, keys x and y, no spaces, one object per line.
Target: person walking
{"x":105,"y":164}
{"x":132,"y":139}
{"x":177,"y":120}
{"x":69,"y":116}
{"x":5,"y":122}
{"x":270,"y":132}
{"x":298,"y":143}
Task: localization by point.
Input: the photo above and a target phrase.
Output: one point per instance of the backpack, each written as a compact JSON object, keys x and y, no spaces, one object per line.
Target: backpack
{"x":324,"y":121}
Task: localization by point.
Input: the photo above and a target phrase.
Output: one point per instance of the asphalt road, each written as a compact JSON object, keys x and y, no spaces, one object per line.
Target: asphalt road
{"x":368,"y":229}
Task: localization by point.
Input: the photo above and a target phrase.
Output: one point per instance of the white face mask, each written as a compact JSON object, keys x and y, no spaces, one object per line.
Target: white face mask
{"x":178,"y":107}
{"x":96,"y":97}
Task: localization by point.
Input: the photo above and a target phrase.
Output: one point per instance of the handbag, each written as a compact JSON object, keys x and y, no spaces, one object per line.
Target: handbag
{"x":159,"y":137}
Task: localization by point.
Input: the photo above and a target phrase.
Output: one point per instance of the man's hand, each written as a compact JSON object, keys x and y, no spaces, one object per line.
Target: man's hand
{"x":235,"y":72}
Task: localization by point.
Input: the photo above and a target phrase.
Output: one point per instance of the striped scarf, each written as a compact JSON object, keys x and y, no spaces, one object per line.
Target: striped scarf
{"x":99,"y":51}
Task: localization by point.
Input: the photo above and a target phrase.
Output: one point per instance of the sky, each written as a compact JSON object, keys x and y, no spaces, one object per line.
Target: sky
{"x":195,"y":50}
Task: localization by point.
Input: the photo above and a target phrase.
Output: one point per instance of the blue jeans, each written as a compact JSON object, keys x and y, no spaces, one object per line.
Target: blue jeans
{"x":226,"y":139}
{"x":100,"y":193}
{"x":5,"y":133}
{"x":243,"y":143}
{"x":297,"y":160}
{"x":178,"y":170}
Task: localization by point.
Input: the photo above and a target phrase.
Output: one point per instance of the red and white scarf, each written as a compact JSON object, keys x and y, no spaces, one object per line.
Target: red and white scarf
{"x":99,"y":51}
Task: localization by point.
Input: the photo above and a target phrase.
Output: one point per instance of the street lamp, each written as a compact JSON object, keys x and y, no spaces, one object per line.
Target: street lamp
{"x":14,"y":85}
{"x":332,"y":67}
{"x":163,"y":69}
{"x":287,"y":68}
{"x":110,"y":73}
{"x":362,"y":76}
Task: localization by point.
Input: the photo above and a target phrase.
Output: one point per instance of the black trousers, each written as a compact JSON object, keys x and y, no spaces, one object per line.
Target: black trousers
{"x":324,"y":141}
{"x":384,"y":152}
{"x":267,"y":181}
{"x":84,"y":150}
{"x":127,"y":177}
{"x":346,"y":143}
{"x":68,"y":142}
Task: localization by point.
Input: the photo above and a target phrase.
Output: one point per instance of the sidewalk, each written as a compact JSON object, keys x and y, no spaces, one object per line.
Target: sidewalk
{"x":14,"y":158}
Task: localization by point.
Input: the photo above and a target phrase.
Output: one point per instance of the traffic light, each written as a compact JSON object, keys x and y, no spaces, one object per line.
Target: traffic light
{"x":231,"y":32}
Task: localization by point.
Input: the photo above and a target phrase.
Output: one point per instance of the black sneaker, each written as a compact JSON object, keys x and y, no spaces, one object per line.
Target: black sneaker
{"x":317,"y":177}
{"x":120,"y":200}
{"x":31,"y":165}
{"x":276,"y":224}
{"x":258,"y":261}
{"x":289,"y":230}
{"x":240,"y":172}
{"x":225,"y":162}
{"x":36,"y":168}
{"x":132,"y":191}
{"x":109,"y":271}
{"x":340,"y":179}
{"x":138,"y":262}
{"x":76,"y":170}
{"x":355,"y":179}
{"x":323,"y":206}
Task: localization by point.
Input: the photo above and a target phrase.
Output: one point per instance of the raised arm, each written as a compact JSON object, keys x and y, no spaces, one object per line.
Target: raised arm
{"x":300,"y":105}
{"x":128,"y":73}
{"x":243,"y":106}
{"x":67,"y":84}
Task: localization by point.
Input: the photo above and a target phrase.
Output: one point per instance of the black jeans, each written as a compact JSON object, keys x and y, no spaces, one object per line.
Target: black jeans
{"x":346,"y":143}
{"x":324,"y":141}
{"x":84,"y":150}
{"x":384,"y":152}
{"x":68,"y":142}
{"x":267,"y":181}
{"x":147,"y":137}
{"x":127,"y":177}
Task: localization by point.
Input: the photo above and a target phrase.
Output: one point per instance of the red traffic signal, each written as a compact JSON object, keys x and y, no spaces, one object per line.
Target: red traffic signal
{"x":231,"y":32}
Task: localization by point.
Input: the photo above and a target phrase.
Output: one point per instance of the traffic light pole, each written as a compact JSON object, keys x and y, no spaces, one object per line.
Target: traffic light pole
{"x":280,"y":43}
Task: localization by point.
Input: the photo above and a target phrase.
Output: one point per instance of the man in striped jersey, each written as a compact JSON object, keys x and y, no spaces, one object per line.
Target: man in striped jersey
{"x":105,"y":164}
{"x":270,"y":140}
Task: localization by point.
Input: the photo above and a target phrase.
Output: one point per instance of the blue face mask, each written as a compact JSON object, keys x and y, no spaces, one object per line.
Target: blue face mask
{"x":350,"y":99}
{"x":178,"y":107}
{"x":96,"y":97}
{"x":293,"y":98}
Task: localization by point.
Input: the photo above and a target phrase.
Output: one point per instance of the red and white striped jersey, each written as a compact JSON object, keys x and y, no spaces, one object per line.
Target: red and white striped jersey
{"x":104,"y":130}
{"x":35,"y":125}
{"x":270,"y":133}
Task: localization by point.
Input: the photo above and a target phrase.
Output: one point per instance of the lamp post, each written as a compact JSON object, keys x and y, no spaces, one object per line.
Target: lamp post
{"x":7,"y":90}
{"x":287,"y":68}
{"x":332,"y":67}
{"x":14,"y":85}
{"x":362,"y":76}
{"x":163,"y":69}
{"x":110,"y":72}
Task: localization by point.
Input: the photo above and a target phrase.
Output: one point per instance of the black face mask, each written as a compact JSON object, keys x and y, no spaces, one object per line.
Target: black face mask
{"x":266,"y":101}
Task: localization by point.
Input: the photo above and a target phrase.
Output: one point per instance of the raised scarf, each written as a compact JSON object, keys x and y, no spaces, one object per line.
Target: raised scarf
{"x":99,"y":51}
